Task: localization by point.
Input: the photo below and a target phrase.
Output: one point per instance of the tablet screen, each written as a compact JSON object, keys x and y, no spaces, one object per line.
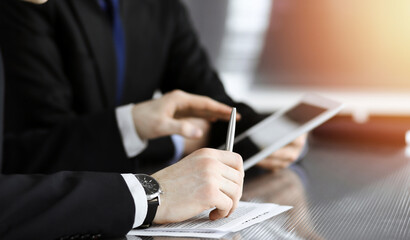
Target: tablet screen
{"x":276,"y":128}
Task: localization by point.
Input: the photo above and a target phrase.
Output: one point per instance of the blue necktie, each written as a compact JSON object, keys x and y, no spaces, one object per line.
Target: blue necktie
{"x":113,"y":10}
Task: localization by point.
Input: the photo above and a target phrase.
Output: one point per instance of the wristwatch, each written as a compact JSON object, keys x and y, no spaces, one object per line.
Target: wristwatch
{"x":152,"y":191}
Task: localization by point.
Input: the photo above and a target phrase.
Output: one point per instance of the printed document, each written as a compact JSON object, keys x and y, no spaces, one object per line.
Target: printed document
{"x":245,"y":215}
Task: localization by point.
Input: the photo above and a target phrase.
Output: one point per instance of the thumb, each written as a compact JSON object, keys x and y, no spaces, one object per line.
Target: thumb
{"x":184,"y":128}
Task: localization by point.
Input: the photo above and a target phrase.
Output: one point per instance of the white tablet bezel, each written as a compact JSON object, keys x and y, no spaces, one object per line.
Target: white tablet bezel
{"x":332,"y":108}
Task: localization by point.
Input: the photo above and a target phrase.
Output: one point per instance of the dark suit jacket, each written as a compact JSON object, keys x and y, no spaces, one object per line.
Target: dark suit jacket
{"x":60,"y":60}
{"x":64,"y":204}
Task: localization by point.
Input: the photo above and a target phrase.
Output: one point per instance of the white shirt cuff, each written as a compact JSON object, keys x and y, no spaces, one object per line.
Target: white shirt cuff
{"x":140,"y":198}
{"x":132,"y":143}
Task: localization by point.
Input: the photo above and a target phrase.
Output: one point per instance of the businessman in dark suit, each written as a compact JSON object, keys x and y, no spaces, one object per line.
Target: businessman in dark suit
{"x":84,"y":63}
{"x":86,"y":205}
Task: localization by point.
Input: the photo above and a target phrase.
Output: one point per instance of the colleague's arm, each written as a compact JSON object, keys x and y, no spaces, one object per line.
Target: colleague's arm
{"x":152,"y":119}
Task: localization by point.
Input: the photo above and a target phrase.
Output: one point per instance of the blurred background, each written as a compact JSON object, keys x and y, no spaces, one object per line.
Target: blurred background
{"x":270,"y":52}
{"x":267,"y":52}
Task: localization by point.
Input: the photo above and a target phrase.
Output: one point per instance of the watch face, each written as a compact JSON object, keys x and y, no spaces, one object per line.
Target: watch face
{"x":150,"y":185}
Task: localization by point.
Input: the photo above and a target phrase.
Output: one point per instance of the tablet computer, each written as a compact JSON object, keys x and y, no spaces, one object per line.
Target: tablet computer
{"x":282,"y":127}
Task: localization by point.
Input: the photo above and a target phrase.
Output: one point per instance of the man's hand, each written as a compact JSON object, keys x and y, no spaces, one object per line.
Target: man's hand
{"x":205,"y":179}
{"x":165,"y":116}
{"x":285,"y":156}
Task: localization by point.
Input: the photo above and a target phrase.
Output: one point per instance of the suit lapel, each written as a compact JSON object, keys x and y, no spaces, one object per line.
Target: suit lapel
{"x":98,"y":35}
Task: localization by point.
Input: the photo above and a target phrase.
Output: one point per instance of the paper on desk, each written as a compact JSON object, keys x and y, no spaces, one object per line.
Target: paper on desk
{"x":246,"y":214}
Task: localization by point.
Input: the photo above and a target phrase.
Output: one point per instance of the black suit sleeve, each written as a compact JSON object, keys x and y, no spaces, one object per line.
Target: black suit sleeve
{"x":189,"y":69}
{"x":42,"y":132}
{"x":64,"y":204}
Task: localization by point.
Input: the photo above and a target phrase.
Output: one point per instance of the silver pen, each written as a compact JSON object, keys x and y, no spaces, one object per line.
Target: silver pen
{"x":230,"y":137}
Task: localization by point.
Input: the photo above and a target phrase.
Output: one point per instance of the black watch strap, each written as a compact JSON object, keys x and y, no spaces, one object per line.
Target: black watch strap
{"x":152,"y":191}
{"x":152,"y":210}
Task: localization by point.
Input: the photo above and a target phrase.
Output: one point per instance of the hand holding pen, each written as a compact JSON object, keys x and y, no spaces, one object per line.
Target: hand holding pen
{"x":215,"y":181}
